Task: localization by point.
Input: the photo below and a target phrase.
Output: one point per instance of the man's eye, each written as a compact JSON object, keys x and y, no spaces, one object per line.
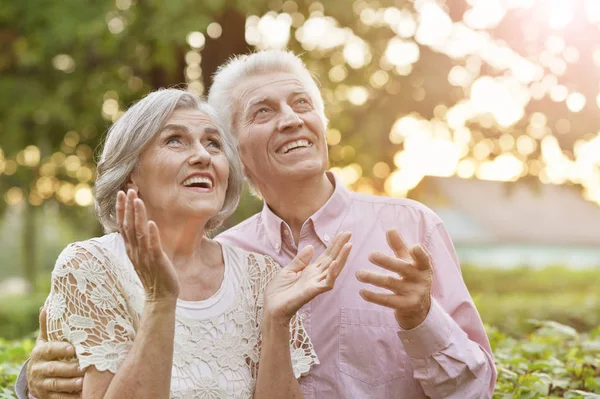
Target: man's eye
{"x":262,"y":110}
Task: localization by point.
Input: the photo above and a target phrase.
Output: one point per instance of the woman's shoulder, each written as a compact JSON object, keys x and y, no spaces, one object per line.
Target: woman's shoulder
{"x":100,"y":250}
{"x":246,"y":259}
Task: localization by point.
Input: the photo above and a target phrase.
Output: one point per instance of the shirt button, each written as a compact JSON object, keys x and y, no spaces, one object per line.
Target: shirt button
{"x":286,"y":233}
{"x":326,"y":237}
{"x":277,"y":246}
{"x":406,"y":341}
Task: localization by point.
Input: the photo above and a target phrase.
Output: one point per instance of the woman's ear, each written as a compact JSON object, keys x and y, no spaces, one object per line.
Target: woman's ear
{"x":130,"y":183}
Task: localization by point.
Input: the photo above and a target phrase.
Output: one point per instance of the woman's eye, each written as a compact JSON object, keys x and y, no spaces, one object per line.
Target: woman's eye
{"x":174,"y":140}
{"x":214,"y":144}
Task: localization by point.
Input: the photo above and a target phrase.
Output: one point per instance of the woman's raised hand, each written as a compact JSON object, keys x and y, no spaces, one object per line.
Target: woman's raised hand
{"x":300,"y":282}
{"x":142,"y":242}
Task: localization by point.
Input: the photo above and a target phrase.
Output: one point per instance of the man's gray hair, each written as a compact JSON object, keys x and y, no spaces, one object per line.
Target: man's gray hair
{"x":128,"y":138}
{"x":241,"y":67}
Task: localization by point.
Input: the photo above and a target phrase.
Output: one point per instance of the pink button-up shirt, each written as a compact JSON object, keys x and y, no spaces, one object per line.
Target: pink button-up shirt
{"x":363,"y":351}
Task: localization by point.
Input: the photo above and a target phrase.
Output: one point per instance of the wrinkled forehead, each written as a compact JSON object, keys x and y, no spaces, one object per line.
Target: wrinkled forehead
{"x":192,"y":118}
{"x":268,"y":86}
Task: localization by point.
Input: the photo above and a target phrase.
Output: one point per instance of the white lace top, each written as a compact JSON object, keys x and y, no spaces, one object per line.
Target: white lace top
{"x":96,"y":301}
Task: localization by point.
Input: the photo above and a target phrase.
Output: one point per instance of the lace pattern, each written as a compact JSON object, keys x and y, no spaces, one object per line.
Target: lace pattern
{"x":96,"y":302}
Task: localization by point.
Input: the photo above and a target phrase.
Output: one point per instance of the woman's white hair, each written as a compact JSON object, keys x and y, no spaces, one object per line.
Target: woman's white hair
{"x":128,"y":137}
{"x":241,"y":67}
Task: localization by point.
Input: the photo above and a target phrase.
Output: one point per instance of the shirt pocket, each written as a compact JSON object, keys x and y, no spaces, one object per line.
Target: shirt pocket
{"x":370,"y":349}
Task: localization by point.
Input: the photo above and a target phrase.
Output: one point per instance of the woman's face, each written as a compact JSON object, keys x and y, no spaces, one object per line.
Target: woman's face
{"x":183,"y":172}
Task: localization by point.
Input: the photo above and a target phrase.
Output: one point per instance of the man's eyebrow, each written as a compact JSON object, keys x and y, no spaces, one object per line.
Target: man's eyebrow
{"x":299,"y":92}
{"x":255,"y":102}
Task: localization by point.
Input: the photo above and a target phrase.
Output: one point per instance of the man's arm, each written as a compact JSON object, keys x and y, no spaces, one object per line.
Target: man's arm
{"x":45,"y":375}
{"x":439,"y":325}
{"x":450,"y":351}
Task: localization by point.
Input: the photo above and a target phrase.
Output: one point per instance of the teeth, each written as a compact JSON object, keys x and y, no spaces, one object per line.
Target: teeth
{"x":197,"y":179}
{"x":294,"y":144}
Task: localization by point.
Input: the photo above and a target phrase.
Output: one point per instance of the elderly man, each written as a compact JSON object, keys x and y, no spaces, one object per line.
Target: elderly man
{"x":400,"y":322}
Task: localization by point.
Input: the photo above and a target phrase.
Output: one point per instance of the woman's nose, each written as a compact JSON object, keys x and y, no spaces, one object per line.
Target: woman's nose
{"x":200,"y":156}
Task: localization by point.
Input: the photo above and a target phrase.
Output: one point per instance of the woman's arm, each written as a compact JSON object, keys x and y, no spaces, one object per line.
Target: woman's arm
{"x":286,"y":292}
{"x":146,"y":371}
{"x":275,"y":374}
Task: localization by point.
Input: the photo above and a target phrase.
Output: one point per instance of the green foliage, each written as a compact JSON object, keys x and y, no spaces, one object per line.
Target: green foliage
{"x":20,"y":316}
{"x":12,"y":356}
{"x":553,"y":362}
{"x":508,"y":298}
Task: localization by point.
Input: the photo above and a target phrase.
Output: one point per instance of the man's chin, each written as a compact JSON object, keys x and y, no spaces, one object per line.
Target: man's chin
{"x":304,"y":170}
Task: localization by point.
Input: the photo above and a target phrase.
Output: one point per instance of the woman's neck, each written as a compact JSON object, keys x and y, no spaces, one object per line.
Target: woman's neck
{"x":184,"y":241}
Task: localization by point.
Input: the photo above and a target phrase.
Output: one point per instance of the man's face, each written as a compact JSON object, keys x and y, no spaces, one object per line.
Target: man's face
{"x":281,"y":135}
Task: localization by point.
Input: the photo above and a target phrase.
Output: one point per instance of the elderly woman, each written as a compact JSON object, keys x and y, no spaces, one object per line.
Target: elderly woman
{"x":155,"y":308}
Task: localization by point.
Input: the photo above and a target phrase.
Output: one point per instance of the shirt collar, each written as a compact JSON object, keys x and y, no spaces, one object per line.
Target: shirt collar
{"x":326,"y":220}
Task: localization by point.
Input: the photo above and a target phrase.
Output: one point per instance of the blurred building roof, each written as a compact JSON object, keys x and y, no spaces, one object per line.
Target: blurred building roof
{"x":490,"y":212}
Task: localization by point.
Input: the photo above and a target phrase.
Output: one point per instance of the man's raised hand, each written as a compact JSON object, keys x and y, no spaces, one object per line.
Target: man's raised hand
{"x":410,"y":285}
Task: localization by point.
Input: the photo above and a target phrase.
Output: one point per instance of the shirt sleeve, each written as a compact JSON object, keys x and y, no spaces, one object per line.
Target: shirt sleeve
{"x":21,"y":383}
{"x":449,"y":351}
{"x":87,"y":307}
{"x":301,"y":348}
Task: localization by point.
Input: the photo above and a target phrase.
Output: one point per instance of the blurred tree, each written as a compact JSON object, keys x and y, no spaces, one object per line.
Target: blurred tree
{"x":67,"y":70}
{"x":502,"y":92}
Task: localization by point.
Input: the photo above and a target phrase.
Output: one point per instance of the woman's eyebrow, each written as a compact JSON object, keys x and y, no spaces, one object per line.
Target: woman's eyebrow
{"x":212,"y":130}
{"x":174,"y":127}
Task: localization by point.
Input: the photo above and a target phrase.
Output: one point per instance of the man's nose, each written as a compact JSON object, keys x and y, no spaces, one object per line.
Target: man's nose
{"x":199,"y":156}
{"x":289,"y":119}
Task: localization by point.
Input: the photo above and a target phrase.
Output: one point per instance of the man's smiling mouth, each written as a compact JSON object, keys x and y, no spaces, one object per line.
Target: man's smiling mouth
{"x":294,"y":145}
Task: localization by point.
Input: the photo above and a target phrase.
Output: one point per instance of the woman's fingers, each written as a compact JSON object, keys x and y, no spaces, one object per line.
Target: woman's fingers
{"x":129,"y":220}
{"x":141,"y":225}
{"x":154,"y":245}
{"x":333,"y":251}
{"x":120,"y":207}
{"x":338,"y":242}
{"x":338,"y":264}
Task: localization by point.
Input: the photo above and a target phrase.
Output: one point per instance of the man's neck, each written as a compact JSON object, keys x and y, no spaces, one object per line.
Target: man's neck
{"x":296,"y":201}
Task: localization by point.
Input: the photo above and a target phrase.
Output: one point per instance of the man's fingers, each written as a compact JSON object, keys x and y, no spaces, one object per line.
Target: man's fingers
{"x":396,"y":265}
{"x":59,"y":369}
{"x":43,"y":335}
{"x":63,"y":395}
{"x":391,"y":301}
{"x":396,"y":242}
{"x":387,"y":281}
{"x":62,"y":385}
{"x":49,"y":351}
{"x":421,"y":257}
